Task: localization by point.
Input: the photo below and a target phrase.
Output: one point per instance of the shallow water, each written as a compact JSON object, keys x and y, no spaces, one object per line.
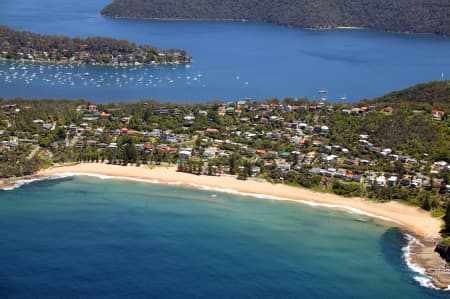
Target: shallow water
{"x":85,"y":237}
{"x":234,"y":59}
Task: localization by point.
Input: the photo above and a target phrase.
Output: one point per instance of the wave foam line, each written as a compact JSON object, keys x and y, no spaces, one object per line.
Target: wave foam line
{"x":21,"y":183}
{"x":348,"y":209}
{"x":422,"y":278}
{"x":306,"y":202}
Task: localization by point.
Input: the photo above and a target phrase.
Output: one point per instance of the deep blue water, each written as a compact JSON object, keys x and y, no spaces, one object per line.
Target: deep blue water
{"x":90,"y":238}
{"x":234,"y":59}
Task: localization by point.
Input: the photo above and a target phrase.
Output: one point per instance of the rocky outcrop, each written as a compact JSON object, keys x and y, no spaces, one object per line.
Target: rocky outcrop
{"x":444,"y":251}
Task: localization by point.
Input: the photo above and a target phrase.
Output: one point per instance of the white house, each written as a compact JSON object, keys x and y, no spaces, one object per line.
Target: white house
{"x":392,"y":181}
{"x":381,"y":181}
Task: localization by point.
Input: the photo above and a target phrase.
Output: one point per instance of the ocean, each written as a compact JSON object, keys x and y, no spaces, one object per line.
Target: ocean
{"x":231,"y":60}
{"x":85,"y":237}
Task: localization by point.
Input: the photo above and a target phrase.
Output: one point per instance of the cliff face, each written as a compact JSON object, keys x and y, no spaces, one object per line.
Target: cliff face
{"x":407,"y":16}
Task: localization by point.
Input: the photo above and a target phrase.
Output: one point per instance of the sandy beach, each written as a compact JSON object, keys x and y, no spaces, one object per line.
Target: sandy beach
{"x":411,"y":219}
{"x":349,"y":27}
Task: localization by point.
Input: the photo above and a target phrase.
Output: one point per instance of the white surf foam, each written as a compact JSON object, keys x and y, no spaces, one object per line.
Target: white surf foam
{"x":21,"y":183}
{"x":348,"y":209}
{"x":309,"y":203}
{"x":422,"y":278}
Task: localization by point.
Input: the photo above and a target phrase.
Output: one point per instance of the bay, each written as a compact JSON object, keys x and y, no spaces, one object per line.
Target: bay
{"x":232,"y":60}
{"x":84,"y":237}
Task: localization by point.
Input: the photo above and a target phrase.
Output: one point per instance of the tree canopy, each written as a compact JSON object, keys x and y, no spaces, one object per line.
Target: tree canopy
{"x":19,"y":45}
{"x":408,"y":16}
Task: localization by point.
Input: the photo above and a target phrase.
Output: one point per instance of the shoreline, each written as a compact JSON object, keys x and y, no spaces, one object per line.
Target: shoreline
{"x":411,"y":219}
{"x":340,"y":27}
{"x":91,"y":65}
{"x":350,"y":27}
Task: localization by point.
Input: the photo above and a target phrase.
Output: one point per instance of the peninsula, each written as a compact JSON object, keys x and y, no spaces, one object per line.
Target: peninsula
{"x":405,"y":16}
{"x":18,"y":45}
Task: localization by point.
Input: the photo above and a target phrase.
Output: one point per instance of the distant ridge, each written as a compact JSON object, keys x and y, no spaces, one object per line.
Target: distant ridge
{"x":405,"y":16}
{"x":433,"y":93}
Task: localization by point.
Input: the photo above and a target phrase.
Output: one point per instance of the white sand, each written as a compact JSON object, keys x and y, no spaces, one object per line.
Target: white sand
{"x":413,"y":219}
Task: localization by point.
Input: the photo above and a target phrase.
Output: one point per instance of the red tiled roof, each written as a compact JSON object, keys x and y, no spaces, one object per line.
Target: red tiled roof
{"x":261,"y":151}
{"x":133,"y":132}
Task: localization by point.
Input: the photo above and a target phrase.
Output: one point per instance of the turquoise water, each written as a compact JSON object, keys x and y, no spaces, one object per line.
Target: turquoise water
{"x":232,"y":60}
{"x":90,"y":238}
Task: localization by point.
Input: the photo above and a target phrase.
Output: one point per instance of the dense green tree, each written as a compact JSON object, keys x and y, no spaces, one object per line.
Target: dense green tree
{"x":446,"y":219}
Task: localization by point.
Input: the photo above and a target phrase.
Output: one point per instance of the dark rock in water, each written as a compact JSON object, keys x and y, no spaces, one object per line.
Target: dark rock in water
{"x":444,"y":251}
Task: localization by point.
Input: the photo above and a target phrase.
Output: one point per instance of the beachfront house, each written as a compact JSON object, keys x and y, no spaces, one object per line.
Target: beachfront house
{"x":392,"y":181}
{"x":255,"y":171}
{"x":209,"y":153}
{"x":184,"y":154}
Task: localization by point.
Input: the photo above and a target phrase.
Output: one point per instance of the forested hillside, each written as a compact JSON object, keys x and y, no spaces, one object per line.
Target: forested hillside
{"x":433,"y":93}
{"x":407,"y":128}
{"x":411,"y":16}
